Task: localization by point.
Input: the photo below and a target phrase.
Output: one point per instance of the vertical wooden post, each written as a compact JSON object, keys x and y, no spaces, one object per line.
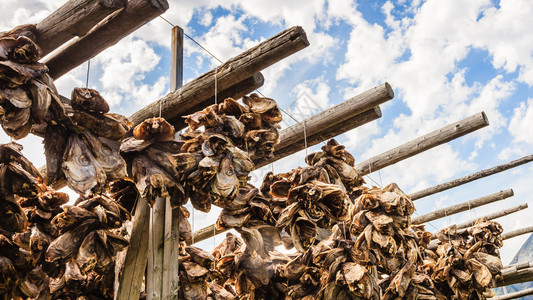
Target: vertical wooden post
{"x":176,"y":59}
{"x":154,"y":274}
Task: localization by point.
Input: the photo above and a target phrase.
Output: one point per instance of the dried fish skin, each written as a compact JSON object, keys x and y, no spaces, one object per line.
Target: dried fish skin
{"x":16,"y":121}
{"x":16,"y":97}
{"x":65,"y":246}
{"x":267,"y":107}
{"x":82,"y":170}
{"x":214,"y":145}
{"x":109,"y":126}
{"x":55,"y":142}
{"x":19,"y":45}
{"x":88,"y":100}
{"x":13,"y":74}
{"x":231,"y":107}
{"x":41,"y":99}
{"x":154,"y":129}
{"x":125,"y":193}
{"x":106,"y":154}
{"x":225,"y":185}
{"x":12,"y":217}
{"x":185,"y":163}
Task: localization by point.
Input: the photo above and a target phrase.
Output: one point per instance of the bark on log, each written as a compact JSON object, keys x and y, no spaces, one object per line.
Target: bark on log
{"x":514,"y":233}
{"x":493,"y":216}
{"x":469,"y":178}
{"x":105,"y":34}
{"x":154,"y":274}
{"x":236,"y":91}
{"x":423,"y":143}
{"x":328,"y":133}
{"x":230,"y":73}
{"x":129,"y":286}
{"x":523,"y":275}
{"x":514,"y":295}
{"x":74,"y":18}
{"x":336,"y":114}
{"x":518,"y":266}
{"x":204,"y":234}
{"x":454,"y":209}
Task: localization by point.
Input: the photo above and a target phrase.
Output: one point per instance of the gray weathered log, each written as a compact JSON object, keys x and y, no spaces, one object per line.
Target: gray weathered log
{"x":454,"y":209}
{"x":328,"y":133}
{"x":514,"y":233}
{"x":520,"y":265}
{"x":336,"y":114}
{"x":498,"y":214}
{"x":236,"y":91}
{"x":204,"y":234}
{"x":469,"y":178}
{"x":129,"y":285}
{"x":423,"y":143}
{"x":522,"y":275}
{"x":229,"y":73}
{"x":104,"y":35}
{"x":514,"y":295}
{"x":154,"y":274}
{"x":74,"y":18}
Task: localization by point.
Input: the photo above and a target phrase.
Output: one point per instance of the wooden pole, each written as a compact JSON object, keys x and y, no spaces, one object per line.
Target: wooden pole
{"x":328,"y":133}
{"x":240,"y":89}
{"x":336,"y":114}
{"x":154,"y":274}
{"x":74,"y":18}
{"x":129,"y":285}
{"x":423,"y":143}
{"x":104,"y":35}
{"x":493,"y":216}
{"x":519,"y":266}
{"x":514,"y":233}
{"x":519,"y":276}
{"x":454,"y":209}
{"x":469,"y":178}
{"x":514,"y":295}
{"x":230,"y":73}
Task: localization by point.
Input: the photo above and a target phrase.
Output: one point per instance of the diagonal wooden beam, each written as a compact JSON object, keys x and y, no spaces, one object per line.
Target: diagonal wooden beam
{"x":104,"y":35}
{"x":469,"y":178}
{"x":74,"y":18}
{"x":423,"y":143}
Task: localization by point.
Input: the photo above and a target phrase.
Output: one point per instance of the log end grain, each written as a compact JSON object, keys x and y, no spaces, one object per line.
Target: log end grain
{"x":485,"y":118}
{"x":377,"y":111}
{"x":389,"y":90}
{"x":160,"y":4}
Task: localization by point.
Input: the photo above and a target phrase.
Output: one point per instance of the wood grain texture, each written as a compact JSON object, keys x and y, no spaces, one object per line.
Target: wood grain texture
{"x":519,"y":276}
{"x":74,"y":18}
{"x":515,"y":233}
{"x":336,"y":114}
{"x":154,"y":273}
{"x":495,"y":215}
{"x":230,"y":73}
{"x":129,"y":285}
{"x":469,"y":178}
{"x":423,"y":143}
{"x":455,"y":209}
{"x":104,"y":35}
{"x":515,"y":295}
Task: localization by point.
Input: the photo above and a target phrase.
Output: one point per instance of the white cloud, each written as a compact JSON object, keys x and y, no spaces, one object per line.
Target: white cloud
{"x":522,"y":122}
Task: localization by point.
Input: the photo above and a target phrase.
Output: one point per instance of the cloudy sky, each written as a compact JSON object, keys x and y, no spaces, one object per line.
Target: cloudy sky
{"x":445,"y":60}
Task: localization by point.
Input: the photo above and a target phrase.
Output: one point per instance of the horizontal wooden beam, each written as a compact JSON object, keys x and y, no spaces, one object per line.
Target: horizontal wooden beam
{"x":520,"y":265}
{"x":522,"y":275}
{"x":469,"y":178}
{"x":423,"y":143}
{"x":204,"y":234}
{"x":228,"y":74}
{"x":74,"y":18}
{"x":236,"y":91}
{"x":336,"y":114}
{"x":515,"y":233}
{"x":498,"y":214}
{"x":454,"y":209}
{"x":104,"y":35}
{"x":514,"y":295}
{"x":328,"y":133}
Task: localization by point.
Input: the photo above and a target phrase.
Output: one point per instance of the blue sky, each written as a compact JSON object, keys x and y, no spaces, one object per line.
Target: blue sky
{"x":445,"y":60}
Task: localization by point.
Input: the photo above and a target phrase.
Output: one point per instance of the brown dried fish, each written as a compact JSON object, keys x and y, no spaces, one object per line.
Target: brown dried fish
{"x":55,"y":142}
{"x":88,"y":100}
{"x":106,"y":154}
{"x":154,"y":129}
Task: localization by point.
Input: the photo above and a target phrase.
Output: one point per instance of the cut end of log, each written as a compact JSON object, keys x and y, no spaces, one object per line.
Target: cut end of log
{"x":377,"y":111}
{"x":299,"y":34}
{"x":509,"y":192}
{"x":389,"y":90}
{"x":160,"y":4}
{"x":259,"y":79}
{"x":485,"y":118}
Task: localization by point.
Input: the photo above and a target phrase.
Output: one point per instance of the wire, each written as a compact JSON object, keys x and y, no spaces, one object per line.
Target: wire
{"x":88,"y":69}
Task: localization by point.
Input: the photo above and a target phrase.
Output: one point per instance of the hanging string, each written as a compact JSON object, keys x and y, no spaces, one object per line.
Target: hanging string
{"x":380,"y":180}
{"x":305,"y":138}
{"x":192,"y":240}
{"x":88,"y":70}
{"x":216,"y":91}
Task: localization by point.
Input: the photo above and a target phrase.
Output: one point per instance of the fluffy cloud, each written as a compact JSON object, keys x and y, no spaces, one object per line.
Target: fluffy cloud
{"x":522,"y":122}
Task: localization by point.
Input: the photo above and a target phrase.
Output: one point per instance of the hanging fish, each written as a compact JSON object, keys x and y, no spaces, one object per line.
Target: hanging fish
{"x":88,"y":100}
{"x":106,"y":154}
{"x":81,"y":169}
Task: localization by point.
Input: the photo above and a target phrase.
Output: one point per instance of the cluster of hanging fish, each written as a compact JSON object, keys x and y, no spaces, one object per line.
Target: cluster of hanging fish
{"x":25,"y":88}
{"x":466,"y":263}
{"x":220,"y":146}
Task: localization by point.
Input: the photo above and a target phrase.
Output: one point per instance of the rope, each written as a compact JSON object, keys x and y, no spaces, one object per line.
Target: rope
{"x":88,"y":70}
{"x":192,"y":240}
{"x":216,"y":91}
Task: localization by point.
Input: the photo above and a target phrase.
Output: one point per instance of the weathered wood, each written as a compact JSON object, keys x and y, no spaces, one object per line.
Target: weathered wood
{"x":230,"y":73}
{"x":520,"y":265}
{"x":236,"y":91}
{"x":493,"y":216}
{"x":328,"y":133}
{"x":104,"y":35}
{"x":154,"y":275}
{"x":454,"y":209}
{"x":176,"y":58}
{"x":74,"y":18}
{"x":469,"y":178}
{"x":423,"y":143}
{"x":129,"y":286}
{"x":522,"y":275}
{"x":514,"y":295}
{"x":336,"y":114}
{"x":204,"y":234}
{"x":515,"y":233}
